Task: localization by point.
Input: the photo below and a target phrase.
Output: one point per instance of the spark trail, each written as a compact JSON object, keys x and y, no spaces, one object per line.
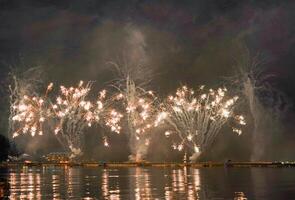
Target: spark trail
{"x":198,"y":116}
{"x":70,"y":115}
{"x":141,"y":112}
{"x":75,"y":113}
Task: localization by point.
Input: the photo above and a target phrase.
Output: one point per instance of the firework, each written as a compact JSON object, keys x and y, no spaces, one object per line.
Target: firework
{"x":30,"y":113}
{"x":134,"y":72}
{"x":197,"y":116}
{"x":75,"y":113}
{"x":70,"y":114}
{"x":26,"y":106}
{"x":140,"y":111}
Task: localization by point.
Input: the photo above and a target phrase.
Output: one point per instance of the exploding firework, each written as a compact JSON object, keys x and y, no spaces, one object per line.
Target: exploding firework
{"x":69,"y":115}
{"x":134,"y":72}
{"x":25,"y":111}
{"x":74,"y":113}
{"x":141,"y":112}
{"x":197,"y":117}
{"x":30,"y":114}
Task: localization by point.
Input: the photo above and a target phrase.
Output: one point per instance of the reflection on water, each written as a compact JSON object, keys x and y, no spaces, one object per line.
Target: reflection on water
{"x":25,"y":185}
{"x":146,"y":183}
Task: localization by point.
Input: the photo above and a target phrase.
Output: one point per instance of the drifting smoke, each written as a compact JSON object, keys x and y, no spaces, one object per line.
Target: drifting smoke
{"x":185,"y":42}
{"x":260,"y":97}
{"x":133,"y":74}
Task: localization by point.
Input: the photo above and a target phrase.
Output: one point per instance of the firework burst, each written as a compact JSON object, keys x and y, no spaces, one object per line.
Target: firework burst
{"x":197,"y":117}
{"x":74,"y":113}
{"x":70,"y":114}
{"x":141,"y":112}
{"x":30,"y":113}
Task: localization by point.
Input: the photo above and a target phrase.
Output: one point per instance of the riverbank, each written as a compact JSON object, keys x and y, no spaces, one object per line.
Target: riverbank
{"x":149,"y":164}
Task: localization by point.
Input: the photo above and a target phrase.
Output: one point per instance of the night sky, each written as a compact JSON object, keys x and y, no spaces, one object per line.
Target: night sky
{"x":186,"y":42}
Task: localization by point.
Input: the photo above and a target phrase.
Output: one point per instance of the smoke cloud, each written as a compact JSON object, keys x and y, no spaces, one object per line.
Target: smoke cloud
{"x":192,"y":42}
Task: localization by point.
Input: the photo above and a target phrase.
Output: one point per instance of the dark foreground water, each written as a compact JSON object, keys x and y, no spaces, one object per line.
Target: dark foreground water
{"x":148,"y":183}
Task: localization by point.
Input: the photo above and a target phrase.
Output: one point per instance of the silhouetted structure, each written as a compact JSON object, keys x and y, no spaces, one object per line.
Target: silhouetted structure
{"x":4,"y":144}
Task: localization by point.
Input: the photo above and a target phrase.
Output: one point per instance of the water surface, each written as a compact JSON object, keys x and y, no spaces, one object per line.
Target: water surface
{"x":148,"y":183}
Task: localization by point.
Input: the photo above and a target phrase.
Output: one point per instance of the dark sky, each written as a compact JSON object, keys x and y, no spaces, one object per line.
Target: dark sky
{"x":188,"y":41}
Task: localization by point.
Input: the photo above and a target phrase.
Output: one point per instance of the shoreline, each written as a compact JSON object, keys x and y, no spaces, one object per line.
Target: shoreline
{"x":149,"y":164}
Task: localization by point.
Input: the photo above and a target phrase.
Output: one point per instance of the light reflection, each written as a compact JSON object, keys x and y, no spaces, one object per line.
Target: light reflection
{"x":195,"y":187}
{"x":25,"y":185}
{"x":110,"y":191}
{"x":115,"y":184}
{"x":105,"y":183}
{"x":185,"y":184}
{"x":55,"y":186}
{"x":140,"y":183}
{"x":75,"y":183}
